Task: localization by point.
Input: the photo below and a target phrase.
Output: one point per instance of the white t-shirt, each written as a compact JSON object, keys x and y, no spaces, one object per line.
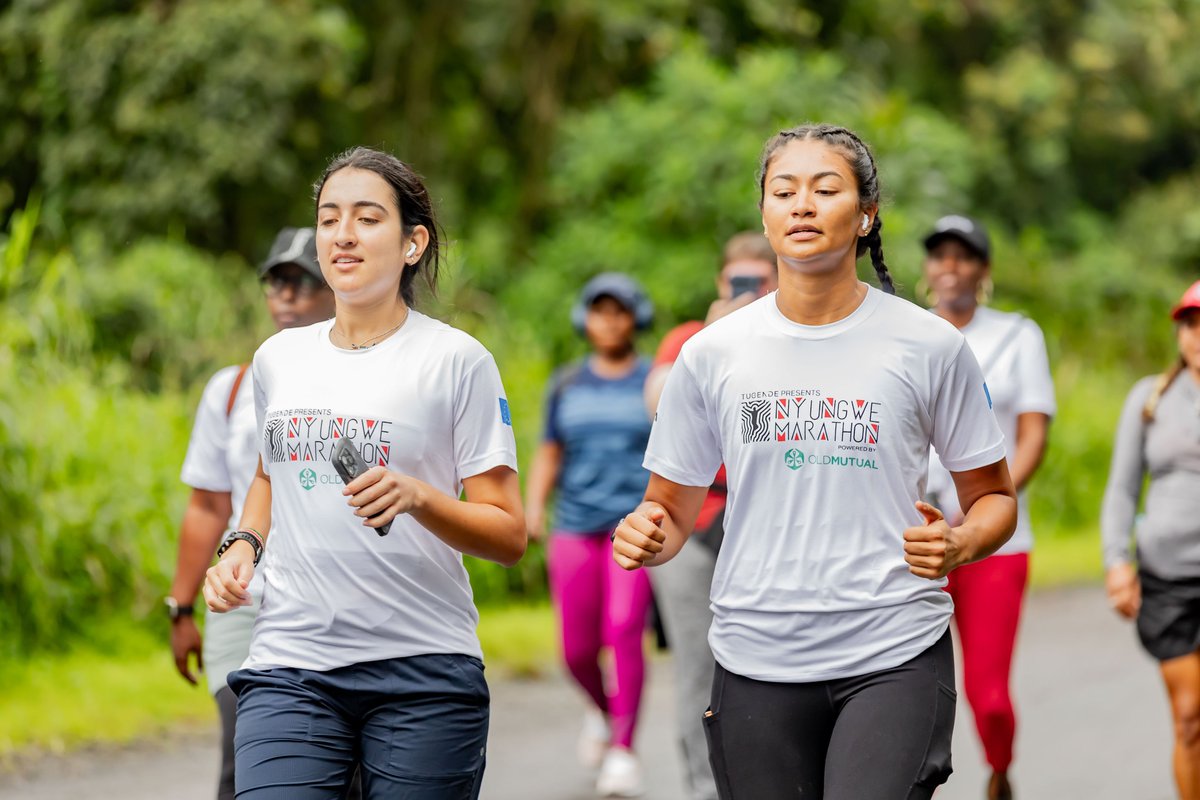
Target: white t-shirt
{"x":426,"y":402}
{"x":1011,"y":352}
{"x":221,"y":457}
{"x":825,"y":434}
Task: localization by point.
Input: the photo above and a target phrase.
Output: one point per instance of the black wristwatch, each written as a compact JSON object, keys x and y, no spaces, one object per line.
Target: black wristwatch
{"x":253,"y":539}
{"x":175,"y":611}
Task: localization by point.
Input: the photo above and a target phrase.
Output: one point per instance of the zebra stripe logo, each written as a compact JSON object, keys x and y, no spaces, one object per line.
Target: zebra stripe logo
{"x":756,"y":421}
{"x":273,"y":434}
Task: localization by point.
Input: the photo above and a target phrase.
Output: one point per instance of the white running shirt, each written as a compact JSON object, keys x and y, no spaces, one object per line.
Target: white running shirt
{"x":222,"y":456}
{"x":1011,"y":351}
{"x":825,"y":433}
{"x":427,"y":402}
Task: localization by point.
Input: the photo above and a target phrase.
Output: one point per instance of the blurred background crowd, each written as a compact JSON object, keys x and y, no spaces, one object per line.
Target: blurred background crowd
{"x":151,"y":150}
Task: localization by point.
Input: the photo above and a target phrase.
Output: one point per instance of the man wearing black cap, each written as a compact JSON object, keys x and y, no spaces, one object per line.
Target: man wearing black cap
{"x":221,"y":460}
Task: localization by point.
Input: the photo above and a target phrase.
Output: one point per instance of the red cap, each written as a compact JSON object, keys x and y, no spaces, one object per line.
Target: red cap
{"x":1189,"y":301}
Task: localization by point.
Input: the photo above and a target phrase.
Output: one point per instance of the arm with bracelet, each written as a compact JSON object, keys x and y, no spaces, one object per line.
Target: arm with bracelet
{"x":226,"y":583}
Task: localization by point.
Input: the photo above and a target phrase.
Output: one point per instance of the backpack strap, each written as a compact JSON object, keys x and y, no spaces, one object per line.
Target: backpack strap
{"x":237,"y":384}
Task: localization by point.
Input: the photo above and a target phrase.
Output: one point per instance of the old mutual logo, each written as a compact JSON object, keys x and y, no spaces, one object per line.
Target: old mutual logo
{"x":793,"y":458}
{"x":308,"y":478}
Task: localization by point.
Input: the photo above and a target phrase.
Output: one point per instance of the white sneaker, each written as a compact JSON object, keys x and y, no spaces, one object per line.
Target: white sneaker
{"x":620,"y":775}
{"x":593,"y":739}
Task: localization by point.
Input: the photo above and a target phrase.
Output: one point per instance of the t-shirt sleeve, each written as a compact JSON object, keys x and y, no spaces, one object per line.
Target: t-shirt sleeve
{"x":260,"y":412}
{"x":205,"y":466}
{"x":1123,"y":491}
{"x":965,"y":432}
{"x":672,"y":343}
{"x":684,"y":445}
{"x":483,"y":431}
{"x":1035,"y":386}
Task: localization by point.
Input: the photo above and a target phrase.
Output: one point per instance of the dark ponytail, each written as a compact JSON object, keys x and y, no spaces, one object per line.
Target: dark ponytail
{"x":873,"y":241}
{"x":1161,"y":384}
{"x":861,"y":162}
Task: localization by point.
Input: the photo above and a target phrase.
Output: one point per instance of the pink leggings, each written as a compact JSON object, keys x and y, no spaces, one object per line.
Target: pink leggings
{"x":987,"y":608}
{"x":599,"y":604}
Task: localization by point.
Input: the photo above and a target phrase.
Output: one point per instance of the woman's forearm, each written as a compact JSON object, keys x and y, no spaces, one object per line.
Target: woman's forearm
{"x":543,"y":474}
{"x":256,"y":512}
{"x":489,"y":524}
{"x":1032,"y":434}
{"x":987,"y":526}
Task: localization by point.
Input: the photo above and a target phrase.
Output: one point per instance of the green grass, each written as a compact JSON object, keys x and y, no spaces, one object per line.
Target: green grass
{"x":518,"y":640}
{"x":124,"y":686}
{"x":122,"y":689}
{"x":1066,"y":560}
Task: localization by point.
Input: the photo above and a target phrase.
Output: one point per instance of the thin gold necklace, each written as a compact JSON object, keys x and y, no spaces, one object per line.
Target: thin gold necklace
{"x":365,"y":343}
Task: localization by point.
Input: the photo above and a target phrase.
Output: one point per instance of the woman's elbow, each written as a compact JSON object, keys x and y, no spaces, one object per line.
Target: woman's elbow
{"x":512,"y":542}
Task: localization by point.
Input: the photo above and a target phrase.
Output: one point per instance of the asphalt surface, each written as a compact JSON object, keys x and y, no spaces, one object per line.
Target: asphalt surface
{"x":1093,"y":723}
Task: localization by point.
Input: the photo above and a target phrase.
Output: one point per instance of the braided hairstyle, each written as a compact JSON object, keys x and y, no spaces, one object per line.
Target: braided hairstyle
{"x":1161,"y":384}
{"x":861,"y":162}
{"x":412,"y":200}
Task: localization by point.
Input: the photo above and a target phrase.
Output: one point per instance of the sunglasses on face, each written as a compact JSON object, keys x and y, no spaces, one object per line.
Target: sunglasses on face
{"x":302,"y":284}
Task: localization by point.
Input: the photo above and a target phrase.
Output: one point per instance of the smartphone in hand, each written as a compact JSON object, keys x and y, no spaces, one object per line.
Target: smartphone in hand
{"x":349,"y":465}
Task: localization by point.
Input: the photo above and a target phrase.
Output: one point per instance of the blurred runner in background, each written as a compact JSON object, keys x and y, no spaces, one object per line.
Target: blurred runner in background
{"x":591,"y":460}
{"x":1159,"y":438}
{"x":681,"y":586}
{"x":221,"y":458}
{"x":987,"y":594}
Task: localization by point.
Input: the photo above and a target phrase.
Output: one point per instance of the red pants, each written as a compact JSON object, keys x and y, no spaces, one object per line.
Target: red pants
{"x":987,"y":608}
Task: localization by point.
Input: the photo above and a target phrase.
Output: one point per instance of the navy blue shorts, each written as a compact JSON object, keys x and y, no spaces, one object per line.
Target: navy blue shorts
{"x":417,"y":727}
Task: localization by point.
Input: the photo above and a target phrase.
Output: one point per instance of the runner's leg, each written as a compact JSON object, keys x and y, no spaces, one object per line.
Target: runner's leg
{"x":576,"y":568}
{"x":626,"y":604}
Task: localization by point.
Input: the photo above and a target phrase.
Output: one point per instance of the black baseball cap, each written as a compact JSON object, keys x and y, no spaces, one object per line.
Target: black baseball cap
{"x":294,"y":246}
{"x":968,"y":231}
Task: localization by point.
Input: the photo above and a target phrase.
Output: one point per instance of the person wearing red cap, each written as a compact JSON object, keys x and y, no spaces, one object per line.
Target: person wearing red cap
{"x":1159,"y":437}
{"x":987,"y":594}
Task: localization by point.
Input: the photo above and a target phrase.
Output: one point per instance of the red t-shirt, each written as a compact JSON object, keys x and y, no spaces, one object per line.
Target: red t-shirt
{"x":668,"y":351}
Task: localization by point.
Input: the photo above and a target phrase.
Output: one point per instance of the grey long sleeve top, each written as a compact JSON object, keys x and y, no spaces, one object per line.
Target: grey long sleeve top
{"x":1168,"y":450}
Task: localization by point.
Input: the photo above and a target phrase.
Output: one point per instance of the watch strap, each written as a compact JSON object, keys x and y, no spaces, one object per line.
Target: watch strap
{"x":245,"y":536}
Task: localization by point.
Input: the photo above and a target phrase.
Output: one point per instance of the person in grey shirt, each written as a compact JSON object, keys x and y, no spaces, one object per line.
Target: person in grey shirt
{"x":1159,"y":437}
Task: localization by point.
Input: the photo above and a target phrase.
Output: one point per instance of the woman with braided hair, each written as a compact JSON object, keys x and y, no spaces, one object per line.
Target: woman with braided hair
{"x":1159,"y":437}
{"x":835,"y":673}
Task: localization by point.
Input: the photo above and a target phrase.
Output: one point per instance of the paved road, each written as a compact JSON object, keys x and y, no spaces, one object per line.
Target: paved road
{"x":1094,"y":724}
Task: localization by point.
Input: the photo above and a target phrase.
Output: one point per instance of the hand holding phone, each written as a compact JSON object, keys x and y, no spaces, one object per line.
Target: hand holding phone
{"x":349,"y":465}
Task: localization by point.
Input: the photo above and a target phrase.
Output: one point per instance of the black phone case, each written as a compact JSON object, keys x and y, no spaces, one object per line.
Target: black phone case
{"x":349,"y":465}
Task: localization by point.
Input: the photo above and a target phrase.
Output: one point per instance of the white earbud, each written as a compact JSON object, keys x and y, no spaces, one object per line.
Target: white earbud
{"x":412,"y":248}
{"x":866,"y":222}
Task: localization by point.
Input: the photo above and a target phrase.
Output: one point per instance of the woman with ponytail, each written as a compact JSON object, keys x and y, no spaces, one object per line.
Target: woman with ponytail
{"x":1159,"y":437}
{"x":835,"y":672}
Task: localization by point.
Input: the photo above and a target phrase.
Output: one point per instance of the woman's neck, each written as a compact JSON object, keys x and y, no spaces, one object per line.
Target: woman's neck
{"x":613,"y":364}
{"x":819,"y":299}
{"x":359,"y":323}
{"x":958,"y":317}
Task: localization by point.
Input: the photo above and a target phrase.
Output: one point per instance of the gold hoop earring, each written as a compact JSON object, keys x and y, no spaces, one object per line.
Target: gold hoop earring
{"x":983,"y":294}
{"x":922,"y":291}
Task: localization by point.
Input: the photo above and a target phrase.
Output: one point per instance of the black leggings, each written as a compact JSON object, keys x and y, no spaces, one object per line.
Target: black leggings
{"x":882,"y":736}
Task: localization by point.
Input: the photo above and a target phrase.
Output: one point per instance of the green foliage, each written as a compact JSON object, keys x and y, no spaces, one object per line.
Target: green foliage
{"x":183,"y":113}
{"x":152,"y":149}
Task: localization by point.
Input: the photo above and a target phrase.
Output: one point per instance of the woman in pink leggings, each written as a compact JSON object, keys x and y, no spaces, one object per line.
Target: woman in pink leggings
{"x":591,"y":458}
